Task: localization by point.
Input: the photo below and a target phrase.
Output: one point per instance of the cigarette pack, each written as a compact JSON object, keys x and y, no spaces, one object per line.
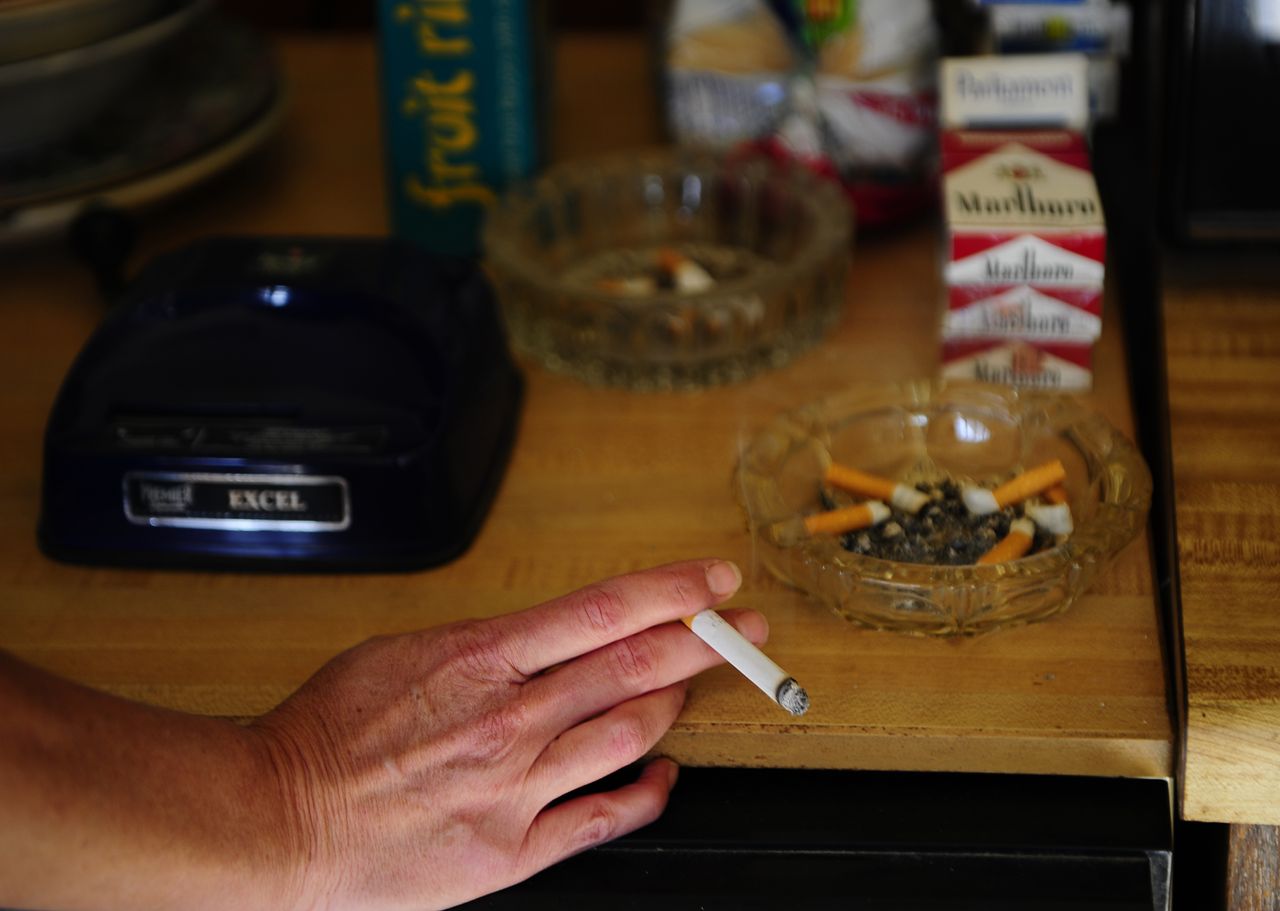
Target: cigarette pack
{"x":1064,"y":366}
{"x":1025,"y":245}
{"x":1017,"y":91}
{"x":459,"y":113}
{"x":1060,"y":314}
{"x":1016,"y":189}
{"x":1061,"y":259}
{"x":1025,"y":237}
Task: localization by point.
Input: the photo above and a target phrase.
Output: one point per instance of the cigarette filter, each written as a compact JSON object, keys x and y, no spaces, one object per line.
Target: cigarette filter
{"x":629,"y":286}
{"x":1055,"y":518}
{"x":850,"y":518}
{"x":688,"y":276}
{"x":908,"y":499}
{"x":981,"y":501}
{"x":1013,"y":545}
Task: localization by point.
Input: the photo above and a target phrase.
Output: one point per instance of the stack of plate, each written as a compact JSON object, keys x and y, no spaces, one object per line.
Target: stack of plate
{"x":98,"y":97}
{"x":61,"y":61}
{"x":33,"y":28}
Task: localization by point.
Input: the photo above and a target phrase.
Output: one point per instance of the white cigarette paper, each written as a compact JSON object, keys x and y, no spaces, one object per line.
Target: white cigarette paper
{"x":776,"y":683}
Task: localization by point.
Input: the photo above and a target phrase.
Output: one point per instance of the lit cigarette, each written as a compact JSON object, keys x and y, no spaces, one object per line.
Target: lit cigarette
{"x":1013,"y":545}
{"x":908,"y":499}
{"x":981,"y":501}
{"x":731,"y":645}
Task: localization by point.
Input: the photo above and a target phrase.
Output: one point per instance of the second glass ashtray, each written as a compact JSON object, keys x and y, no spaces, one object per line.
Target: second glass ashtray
{"x":922,"y":432}
{"x":671,"y":269}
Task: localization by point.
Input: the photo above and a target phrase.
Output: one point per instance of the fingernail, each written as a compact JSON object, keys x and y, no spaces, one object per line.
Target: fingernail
{"x":723,"y":578}
{"x":673,"y":772}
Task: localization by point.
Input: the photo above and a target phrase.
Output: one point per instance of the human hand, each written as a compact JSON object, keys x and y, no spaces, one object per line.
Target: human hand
{"x":418,"y":769}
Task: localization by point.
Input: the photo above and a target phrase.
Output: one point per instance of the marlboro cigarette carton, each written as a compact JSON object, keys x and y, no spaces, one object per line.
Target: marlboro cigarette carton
{"x":1025,"y":241}
{"x":1022,"y":206}
{"x":1015,"y":190}
{"x":1024,"y":312}
{"x":1058,"y":260}
{"x":1064,"y":366}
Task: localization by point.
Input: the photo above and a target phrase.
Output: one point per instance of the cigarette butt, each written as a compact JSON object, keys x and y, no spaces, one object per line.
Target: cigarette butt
{"x":631,"y":286}
{"x":1031,"y":482}
{"x":979,"y":500}
{"x":752,"y":663}
{"x":1013,"y":545}
{"x":687,"y":276}
{"x":1057,"y":494}
{"x":850,"y":518}
{"x":859,"y":482}
{"x":1055,"y":518}
{"x":669,"y":259}
{"x":908,"y":499}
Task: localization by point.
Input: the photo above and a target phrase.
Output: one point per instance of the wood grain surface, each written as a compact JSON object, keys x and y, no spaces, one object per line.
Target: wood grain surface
{"x":1253,"y":868}
{"x":601,"y":482}
{"x":1222,"y":340}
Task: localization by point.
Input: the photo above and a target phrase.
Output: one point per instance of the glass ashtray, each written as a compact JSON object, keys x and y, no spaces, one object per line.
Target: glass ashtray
{"x":922,"y":431}
{"x":580,"y":260}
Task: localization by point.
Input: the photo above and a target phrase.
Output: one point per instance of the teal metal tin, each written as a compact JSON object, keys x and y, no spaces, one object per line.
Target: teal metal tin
{"x":459,"y":82}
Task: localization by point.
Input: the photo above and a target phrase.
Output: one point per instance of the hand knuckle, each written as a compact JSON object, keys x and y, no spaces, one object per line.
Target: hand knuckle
{"x":600,"y":826}
{"x":636,"y":661}
{"x":629,"y":739}
{"x":475,"y":651}
{"x":601,"y":609}
{"x":494,"y":734}
{"x":677,"y":582}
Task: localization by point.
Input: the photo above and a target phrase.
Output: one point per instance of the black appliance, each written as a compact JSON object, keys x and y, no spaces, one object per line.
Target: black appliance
{"x":305,"y":403}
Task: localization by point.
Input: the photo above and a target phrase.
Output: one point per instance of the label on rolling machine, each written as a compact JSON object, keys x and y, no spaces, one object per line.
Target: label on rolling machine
{"x":244,"y":437}
{"x":237,"y":502}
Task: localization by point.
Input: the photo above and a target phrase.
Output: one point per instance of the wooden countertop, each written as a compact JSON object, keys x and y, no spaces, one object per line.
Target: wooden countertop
{"x":1222,"y":343}
{"x":601,"y":482}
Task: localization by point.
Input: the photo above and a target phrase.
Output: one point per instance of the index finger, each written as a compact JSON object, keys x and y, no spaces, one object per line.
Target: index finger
{"x":591,"y":617}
